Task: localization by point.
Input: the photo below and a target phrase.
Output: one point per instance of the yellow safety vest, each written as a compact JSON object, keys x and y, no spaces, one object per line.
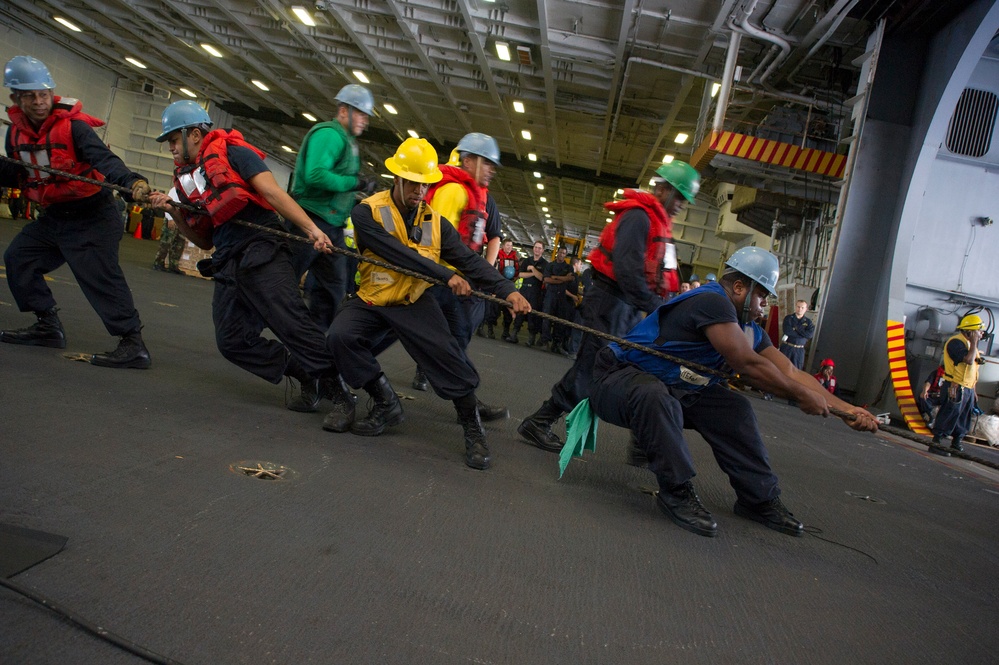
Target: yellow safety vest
{"x":381,"y":286}
{"x":960,"y":373}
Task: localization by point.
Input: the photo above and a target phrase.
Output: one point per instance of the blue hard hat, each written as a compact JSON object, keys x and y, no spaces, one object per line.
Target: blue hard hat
{"x":480,"y":144}
{"x":357,"y":96}
{"x":22,"y":72}
{"x":694,"y":278}
{"x":179,"y":115}
{"x":711,"y":277}
{"x":757,"y":264}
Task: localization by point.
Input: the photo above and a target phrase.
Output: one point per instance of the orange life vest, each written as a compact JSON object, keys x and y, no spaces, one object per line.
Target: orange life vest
{"x":52,"y":145}
{"x":472,"y":225}
{"x":212,"y":183}
{"x":661,"y":280}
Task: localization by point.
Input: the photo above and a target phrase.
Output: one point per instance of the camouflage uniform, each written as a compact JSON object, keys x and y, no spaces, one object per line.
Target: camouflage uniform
{"x":171,"y":247}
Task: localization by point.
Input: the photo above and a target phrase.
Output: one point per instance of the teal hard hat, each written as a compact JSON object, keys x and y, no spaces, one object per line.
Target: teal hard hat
{"x":480,"y":144}
{"x":357,"y":96}
{"x":684,"y":178}
{"x":22,"y":72}
{"x":757,"y":264}
{"x":179,"y":115}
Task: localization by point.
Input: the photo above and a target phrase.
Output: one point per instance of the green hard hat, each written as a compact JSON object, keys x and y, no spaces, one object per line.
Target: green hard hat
{"x":683,"y":177}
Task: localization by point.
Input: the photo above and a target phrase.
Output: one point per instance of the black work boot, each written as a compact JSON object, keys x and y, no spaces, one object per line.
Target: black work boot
{"x":490,"y":332}
{"x":937,"y":447}
{"x":511,"y":336}
{"x":682,"y":505}
{"x":47,"y":331}
{"x":342,"y":415}
{"x":537,"y":428}
{"x":955,"y":444}
{"x":307,"y":400}
{"x":487,"y":412}
{"x":386,"y":411}
{"x":420,"y":380}
{"x":476,"y":450}
{"x":772,"y":514}
{"x":131,"y":353}
{"x":531,"y":338}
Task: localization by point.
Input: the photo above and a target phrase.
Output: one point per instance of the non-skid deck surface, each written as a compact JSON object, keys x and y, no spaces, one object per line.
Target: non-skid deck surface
{"x":390,"y":550}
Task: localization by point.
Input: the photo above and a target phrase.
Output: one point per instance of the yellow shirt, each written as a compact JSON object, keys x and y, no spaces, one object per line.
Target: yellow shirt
{"x":450,"y":201}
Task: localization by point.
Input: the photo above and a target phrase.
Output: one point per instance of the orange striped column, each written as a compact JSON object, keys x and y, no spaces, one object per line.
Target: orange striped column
{"x":900,"y":379}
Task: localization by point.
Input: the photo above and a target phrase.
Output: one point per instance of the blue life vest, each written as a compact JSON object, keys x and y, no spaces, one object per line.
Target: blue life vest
{"x":646,"y":333}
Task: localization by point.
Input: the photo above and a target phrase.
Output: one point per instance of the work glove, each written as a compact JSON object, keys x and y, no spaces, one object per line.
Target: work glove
{"x":141,"y":190}
{"x":367,"y":184}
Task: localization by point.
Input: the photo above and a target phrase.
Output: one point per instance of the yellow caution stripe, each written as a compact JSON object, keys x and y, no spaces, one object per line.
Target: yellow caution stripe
{"x":900,"y":379}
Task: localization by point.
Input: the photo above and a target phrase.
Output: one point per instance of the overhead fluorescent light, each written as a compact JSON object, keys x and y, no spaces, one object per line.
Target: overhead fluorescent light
{"x":135,"y":62}
{"x":189,"y":93}
{"x":309,"y":117}
{"x":390,"y":109}
{"x":361,"y":76}
{"x":303,"y":15}
{"x":537,"y":174}
{"x":503,"y":51}
{"x":541,"y":185}
{"x":412,"y":132}
{"x":544,"y":209}
{"x":548,"y":215}
{"x":286,"y":148}
{"x":715,"y":87}
{"x":652,"y":181}
{"x":544,"y":199}
{"x":548,"y":221}
{"x":67,"y":24}
{"x":260,"y":84}
{"x":212,"y":51}
{"x":518,"y":107}
{"x":681,"y":138}
{"x":667,"y":159}
{"x":526,"y":134}
{"x":619,"y":192}
{"x":609,"y":220}
{"x":531,"y":156}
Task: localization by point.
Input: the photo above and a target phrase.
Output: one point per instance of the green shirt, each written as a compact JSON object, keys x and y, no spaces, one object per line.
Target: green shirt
{"x":326,"y":173}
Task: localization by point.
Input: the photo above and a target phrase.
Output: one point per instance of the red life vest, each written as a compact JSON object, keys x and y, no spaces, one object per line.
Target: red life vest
{"x":212,"y":183}
{"x":660,"y":280}
{"x":472,"y":224}
{"x":504,"y":261}
{"x":52,"y":145}
{"x":829,"y":384}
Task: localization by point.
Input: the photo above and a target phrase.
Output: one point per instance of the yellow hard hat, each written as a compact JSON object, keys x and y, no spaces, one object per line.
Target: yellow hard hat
{"x":970,"y":322}
{"x":415,"y":160}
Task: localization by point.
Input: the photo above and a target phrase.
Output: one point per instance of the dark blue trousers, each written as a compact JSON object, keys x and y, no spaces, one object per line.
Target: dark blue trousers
{"x":88,"y":241}
{"x":360,"y":330}
{"x":604,"y":311}
{"x":625,"y":396}
{"x":327,"y":285}
{"x":256,"y":289}
{"x":954,"y":416}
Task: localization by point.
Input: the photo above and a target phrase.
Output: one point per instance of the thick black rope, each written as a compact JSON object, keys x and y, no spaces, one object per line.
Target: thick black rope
{"x":92,"y":628}
{"x":731,"y":378}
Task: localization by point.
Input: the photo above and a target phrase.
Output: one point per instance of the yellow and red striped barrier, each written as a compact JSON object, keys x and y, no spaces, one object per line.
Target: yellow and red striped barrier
{"x":900,"y":379}
{"x":770,"y":152}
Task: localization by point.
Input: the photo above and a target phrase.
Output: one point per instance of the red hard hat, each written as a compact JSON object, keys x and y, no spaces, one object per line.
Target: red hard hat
{"x":828,"y":362}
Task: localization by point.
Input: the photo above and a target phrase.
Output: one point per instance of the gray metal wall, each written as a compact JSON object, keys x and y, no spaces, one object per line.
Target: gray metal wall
{"x":903,"y":202}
